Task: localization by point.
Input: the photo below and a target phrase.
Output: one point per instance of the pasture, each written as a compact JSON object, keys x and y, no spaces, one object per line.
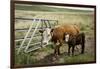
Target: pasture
{"x":43,"y":56}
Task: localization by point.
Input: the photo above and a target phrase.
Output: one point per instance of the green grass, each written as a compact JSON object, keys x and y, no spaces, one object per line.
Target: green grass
{"x":43,"y":56}
{"x":33,"y":57}
{"x":79,"y":59}
{"x":44,"y":8}
{"x":84,"y":19}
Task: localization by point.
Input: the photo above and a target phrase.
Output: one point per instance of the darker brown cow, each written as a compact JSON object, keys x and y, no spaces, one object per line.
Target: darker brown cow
{"x":78,"y":39}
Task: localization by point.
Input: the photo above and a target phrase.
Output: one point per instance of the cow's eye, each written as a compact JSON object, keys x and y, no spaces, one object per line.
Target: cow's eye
{"x":48,"y":35}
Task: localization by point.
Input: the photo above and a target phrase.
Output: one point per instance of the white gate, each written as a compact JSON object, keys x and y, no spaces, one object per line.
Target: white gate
{"x":38,"y":22}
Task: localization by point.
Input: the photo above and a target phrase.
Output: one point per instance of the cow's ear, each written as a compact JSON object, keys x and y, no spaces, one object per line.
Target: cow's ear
{"x":41,"y":31}
{"x":52,"y":30}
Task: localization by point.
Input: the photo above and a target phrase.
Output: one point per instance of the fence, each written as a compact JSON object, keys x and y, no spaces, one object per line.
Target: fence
{"x":45,"y":23}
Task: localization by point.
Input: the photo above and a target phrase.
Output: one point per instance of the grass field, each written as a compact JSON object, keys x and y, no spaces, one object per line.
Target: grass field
{"x":83,"y":18}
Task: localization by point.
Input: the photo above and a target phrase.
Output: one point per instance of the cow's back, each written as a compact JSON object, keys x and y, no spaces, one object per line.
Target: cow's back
{"x":59,"y":31}
{"x":71,"y":29}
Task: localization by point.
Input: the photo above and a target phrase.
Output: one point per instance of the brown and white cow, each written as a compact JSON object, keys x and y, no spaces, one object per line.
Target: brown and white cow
{"x":57,"y":35}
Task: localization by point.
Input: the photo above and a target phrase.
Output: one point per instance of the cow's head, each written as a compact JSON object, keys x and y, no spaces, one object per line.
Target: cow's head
{"x":66,"y":37}
{"x":46,"y":35}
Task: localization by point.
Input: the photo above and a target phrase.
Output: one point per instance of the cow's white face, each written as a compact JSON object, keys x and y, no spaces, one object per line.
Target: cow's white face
{"x":46,"y":36}
{"x":66,"y":37}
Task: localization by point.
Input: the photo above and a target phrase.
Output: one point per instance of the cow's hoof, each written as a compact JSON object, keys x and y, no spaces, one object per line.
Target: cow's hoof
{"x":68,"y":54}
{"x":54,"y":58}
{"x":72,"y":55}
{"x":57,"y":56}
{"x":82,"y":52}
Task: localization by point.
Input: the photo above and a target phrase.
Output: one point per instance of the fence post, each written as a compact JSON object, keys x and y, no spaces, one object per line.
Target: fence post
{"x":42,"y":33}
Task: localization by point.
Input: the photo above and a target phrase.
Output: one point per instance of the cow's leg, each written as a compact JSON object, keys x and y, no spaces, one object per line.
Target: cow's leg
{"x":69,"y":49}
{"x":73,"y":49}
{"x":60,"y":41}
{"x":82,"y":48}
{"x":55,"y":51}
{"x":58,"y":50}
{"x":55,"y":48}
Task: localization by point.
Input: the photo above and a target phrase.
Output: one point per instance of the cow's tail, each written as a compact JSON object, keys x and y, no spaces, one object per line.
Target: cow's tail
{"x":77,"y":28}
{"x":83,"y":43}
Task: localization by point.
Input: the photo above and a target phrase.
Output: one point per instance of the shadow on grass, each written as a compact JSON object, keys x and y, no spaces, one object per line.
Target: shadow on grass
{"x":64,"y":58}
{"x":51,"y":59}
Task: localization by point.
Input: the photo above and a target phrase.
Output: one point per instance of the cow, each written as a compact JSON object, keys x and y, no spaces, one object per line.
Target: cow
{"x":57,"y":35}
{"x":73,"y":41}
